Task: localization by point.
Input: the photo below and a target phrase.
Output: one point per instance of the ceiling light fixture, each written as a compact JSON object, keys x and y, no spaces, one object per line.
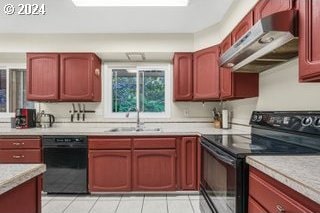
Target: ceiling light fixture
{"x":131,"y":3}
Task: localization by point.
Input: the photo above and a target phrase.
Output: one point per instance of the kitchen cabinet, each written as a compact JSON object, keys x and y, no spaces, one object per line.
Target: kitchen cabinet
{"x":309,"y":40}
{"x":80,"y":77}
{"x":109,"y":164}
{"x":154,"y":170}
{"x":206,"y":74}
{"x":63,"y":77}
{"x":109,"y":170}
{"x":268,"y":7}
{"x":234,"y":85}
{"x":183,"y":76}
{"x":245,"y":24}
{"x":20,"y":150}
{"x":25,"y":198}
{"x":42,"y":76}
{"x":188,"y":161}
{"x":272,"y":196}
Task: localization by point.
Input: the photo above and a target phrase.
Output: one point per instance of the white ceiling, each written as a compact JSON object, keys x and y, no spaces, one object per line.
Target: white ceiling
{"x":63,"y":17}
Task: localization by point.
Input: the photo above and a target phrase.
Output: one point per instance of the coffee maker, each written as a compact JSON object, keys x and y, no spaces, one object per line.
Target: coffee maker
{"x":25,"y":118}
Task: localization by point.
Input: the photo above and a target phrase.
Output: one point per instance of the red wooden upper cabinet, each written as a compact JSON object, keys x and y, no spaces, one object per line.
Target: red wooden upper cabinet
{"x":243,"y":27}
{"x":183,"y":76}
{"x":309,"y":40}
{"x":42,"y":77}
{"x":206,"y":74}
{"x":234,"y":85}
{"x":267,"y":7}
{"x":80,"y":77}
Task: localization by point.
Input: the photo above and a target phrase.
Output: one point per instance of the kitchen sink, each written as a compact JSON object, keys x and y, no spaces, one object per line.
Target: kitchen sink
{"x":134,"y":129}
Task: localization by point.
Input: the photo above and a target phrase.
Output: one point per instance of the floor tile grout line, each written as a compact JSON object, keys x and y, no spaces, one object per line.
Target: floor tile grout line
{"x":143,"y":202}
{"x":191,"y":204}
{"x":167,"y":203}
{"x":118,"y":204}
{"x":70,"y":204}
{"x":94,"y":204}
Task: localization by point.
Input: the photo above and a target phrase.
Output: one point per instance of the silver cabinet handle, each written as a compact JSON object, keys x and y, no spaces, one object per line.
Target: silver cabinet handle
{"x":17,"y":156}
{"x":280,"y":209}
{"x":17,"y":143}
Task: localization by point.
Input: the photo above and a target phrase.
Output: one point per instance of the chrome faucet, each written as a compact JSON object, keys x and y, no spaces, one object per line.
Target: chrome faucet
{"x":139,"y":126}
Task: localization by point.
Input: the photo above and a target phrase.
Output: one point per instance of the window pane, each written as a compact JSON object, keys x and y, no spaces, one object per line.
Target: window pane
{"x":3,"y":91}
{"x":124,"y":87}
{"x":152,"y":90}
{"x":17,"y":90}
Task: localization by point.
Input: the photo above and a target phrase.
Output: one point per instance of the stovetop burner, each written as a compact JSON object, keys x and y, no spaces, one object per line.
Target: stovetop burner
{"x":249,"y":146}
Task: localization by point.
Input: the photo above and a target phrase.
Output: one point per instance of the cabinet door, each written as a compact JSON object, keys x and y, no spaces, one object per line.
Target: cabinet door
{"x":182,"y":77}
{"x":254,"y":207}
{"x":189,"y":163}
{"x":42,"y":77}
{"x":76,"y":80}
{"x":267,"y":7}
{"x":243,"y":27}
{"x":226,"y":77}
{"x":309,"y":40}
{"x":109,"y":170}
{"x":206,"y":74}
{"x":154,"y":170}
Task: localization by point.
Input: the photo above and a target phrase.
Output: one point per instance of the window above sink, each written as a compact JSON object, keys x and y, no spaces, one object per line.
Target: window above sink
{"x":146,"y":87}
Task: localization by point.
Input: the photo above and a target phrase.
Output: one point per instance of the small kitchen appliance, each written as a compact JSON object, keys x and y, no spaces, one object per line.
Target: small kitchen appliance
{"x":224,"y":172}
{"x":25,"y":118}
{"x":46,"y":120}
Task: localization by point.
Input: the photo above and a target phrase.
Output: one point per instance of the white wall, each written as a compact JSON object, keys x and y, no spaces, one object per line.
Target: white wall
{"x":279,"y":90}
{"x":216,"y":33}
{"x":102,"y":43}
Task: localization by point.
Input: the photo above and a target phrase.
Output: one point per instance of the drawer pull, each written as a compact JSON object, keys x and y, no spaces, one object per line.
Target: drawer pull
{"x":17,"y":143}
{"x":17,"y":156}
{"x":280,"y":209}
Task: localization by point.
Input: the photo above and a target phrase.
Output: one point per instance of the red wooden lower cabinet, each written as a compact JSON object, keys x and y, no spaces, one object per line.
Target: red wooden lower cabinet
{"x":109,"y":170}
{"x":188,"y":160}
{"x":268,"y":195}
{"x":25,"y":198}
{"x":154,"y":170}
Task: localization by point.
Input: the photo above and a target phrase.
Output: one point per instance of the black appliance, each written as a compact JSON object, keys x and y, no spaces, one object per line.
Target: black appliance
{"x":25,"y":118}
{"x":224,"y":172}
{"x":66,"y":158}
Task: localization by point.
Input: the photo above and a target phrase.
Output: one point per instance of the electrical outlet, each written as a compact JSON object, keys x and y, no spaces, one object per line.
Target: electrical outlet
{"x":186,"y":113}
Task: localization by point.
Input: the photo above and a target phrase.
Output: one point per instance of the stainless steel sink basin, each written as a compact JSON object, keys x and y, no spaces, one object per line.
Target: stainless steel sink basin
{"x":133,"y":129}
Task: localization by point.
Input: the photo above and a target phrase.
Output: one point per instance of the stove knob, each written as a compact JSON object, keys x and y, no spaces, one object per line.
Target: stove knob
{"x":317,"y":122}
{"x":259,"y":118}
{"x":307,"y":121}
{"x":254,"y":118}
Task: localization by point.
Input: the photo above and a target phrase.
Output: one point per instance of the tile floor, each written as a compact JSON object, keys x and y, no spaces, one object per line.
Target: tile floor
{"x":120,"y":204}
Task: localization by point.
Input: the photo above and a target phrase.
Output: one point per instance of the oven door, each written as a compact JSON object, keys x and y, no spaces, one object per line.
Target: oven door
{"x":219,"y":178}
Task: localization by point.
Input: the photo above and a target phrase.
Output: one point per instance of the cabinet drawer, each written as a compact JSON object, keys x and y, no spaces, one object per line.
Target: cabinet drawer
{"x":154,"y":143}
{"x":254,"y":207}
{"x":271,"y":198}
{"x":110,"y":143}
{"x":20,"y":156}
{"x":20,"y":143}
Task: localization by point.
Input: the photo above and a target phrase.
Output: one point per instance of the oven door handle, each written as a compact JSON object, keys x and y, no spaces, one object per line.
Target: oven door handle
{"x":219,"y":156}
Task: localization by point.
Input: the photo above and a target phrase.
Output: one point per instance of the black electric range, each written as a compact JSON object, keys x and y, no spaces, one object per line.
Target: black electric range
{"x":224,"y":173}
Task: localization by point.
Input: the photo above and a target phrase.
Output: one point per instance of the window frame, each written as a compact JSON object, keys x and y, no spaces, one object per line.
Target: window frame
{"x":107,"y":78}
{"x":8,"y":67}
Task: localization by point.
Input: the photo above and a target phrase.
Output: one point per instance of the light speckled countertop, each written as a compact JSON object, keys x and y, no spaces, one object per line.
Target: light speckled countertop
{"x":12,"y":175}
{"x":301,"y":173}
{"x":101,"y":129}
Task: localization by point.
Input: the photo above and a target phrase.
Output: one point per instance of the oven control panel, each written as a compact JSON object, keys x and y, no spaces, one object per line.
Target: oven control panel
{"x":307,"y":122}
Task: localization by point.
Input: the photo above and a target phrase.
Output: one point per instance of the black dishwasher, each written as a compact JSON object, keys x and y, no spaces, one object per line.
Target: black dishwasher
{"x":66,"y":158}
